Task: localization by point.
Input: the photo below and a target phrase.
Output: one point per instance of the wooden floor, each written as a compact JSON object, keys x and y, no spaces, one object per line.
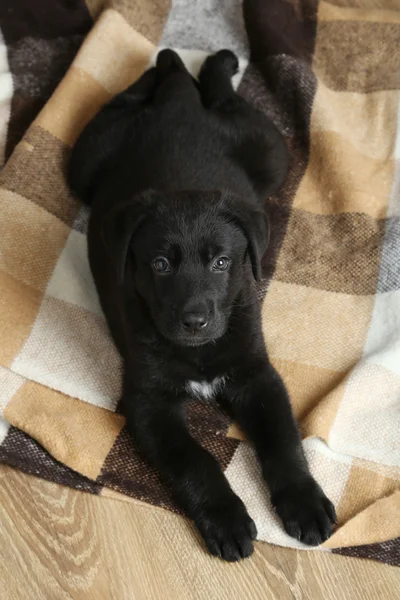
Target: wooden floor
{"x":57,"y":543}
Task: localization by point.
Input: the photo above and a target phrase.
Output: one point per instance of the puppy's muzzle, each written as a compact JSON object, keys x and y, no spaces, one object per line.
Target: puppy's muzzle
{"x":195,"y":320}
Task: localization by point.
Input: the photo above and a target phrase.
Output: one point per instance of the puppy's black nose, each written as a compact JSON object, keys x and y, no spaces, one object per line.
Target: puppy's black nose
{"x":194,"y":321}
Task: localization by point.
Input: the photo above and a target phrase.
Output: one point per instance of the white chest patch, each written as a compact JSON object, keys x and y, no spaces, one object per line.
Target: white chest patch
{"x":205,"y":390}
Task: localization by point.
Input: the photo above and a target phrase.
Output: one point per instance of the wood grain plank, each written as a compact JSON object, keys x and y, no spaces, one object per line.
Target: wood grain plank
{"x":58,"y":543}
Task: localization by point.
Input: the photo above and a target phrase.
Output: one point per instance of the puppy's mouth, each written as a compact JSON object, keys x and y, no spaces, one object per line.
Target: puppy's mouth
{"x":193,"y":341}
{"x":186,"y":340}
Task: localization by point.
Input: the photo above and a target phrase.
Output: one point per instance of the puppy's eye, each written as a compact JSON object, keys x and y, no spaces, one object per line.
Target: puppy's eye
{"x":221,"y":264}
{"x":161,"y":265}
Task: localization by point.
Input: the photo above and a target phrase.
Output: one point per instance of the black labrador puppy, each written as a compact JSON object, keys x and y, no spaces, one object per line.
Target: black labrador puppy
{"x":176,"y":172}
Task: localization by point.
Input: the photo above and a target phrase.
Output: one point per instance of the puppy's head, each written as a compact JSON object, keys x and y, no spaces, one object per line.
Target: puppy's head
{"x":186,"y":255}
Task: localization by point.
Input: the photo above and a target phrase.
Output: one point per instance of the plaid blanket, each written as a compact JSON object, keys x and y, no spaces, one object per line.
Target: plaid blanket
{"x":328,"y":74}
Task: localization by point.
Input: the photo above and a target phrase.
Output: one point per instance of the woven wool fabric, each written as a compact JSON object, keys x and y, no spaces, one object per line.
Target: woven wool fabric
{"x":328,"y":75}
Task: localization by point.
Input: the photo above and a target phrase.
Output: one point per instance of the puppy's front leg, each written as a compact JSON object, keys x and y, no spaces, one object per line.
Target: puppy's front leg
{"x":156,"y":421}
{"x":262,"y":408}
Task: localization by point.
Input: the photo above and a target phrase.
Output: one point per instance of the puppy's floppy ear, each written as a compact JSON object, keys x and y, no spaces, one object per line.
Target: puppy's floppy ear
{"x":120,"y":225}
{"x":253,"y":221}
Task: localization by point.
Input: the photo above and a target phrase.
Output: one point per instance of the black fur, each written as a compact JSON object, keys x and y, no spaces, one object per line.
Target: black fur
{"x":176,"y":172}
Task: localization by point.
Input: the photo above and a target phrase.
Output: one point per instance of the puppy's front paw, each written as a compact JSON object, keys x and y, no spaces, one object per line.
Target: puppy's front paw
{"x":307,"y":514}
{"x":228,"y":530}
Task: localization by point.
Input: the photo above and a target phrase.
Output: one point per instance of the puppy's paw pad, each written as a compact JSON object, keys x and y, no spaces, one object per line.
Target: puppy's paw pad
{"x":307,"y":514}
{"x":228,"y":531}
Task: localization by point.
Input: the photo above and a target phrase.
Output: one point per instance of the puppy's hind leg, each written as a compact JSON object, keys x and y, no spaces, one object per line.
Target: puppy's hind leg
{"x":138,"y":92}
{"x":215,"y":80}
{"x":256,"y":144}
{"x":219,"y":96}
{"x":168,"y":61}
{"x":100,"y":142}
{"x":175,"y":83}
